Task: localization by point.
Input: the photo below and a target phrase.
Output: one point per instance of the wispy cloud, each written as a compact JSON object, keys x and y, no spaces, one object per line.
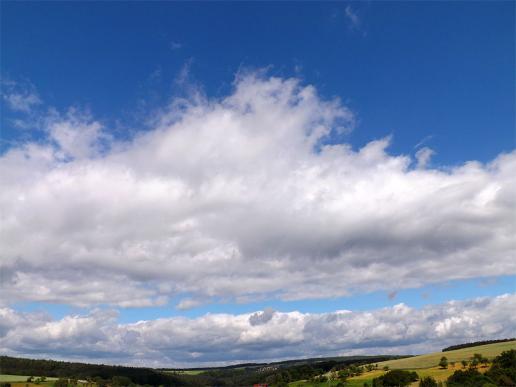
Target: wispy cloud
{"x":352,"y":17}
{"x":175,"y":45}
{"x":19,"y":96}
{"x":423,"y":141}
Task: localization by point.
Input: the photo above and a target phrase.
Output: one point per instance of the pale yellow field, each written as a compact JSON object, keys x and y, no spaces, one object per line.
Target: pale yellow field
{"x":426,"y":365}
{"x":432,"y":359}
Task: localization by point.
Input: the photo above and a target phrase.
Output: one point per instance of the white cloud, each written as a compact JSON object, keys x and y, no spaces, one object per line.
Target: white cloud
{"x":224,"y":338}
{"x":76,"y":135}
{"x":241,"y":198}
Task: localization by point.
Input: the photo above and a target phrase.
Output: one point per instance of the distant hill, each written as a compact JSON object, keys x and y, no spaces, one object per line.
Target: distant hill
{"x":295,"y":362}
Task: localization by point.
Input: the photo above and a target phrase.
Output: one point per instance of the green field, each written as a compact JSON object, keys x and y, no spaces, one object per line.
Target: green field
{"x":19,"y":378}
{"x":432,"y":359}
{"x":191,"y":372}
{"x":304,"y":383}
{"x":358,"y":381}
{"x":185,"y":372}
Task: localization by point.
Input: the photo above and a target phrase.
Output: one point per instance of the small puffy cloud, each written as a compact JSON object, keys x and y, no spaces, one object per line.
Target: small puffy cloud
{"x":188,"y":303}
{"x":240,"y":198}
{"x":224,"y":338}
{"x":263,"y":317}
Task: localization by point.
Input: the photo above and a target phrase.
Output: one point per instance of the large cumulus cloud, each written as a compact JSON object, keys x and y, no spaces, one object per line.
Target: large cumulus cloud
{"x":225,"y":338}
{"x":246,"y":196}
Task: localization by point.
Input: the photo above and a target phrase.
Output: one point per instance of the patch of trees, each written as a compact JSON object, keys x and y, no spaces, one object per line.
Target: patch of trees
{"x":37,"y":380}
{"x":61,"y":369}
{"x":428,"y":381}
{"x":395,"y":378}
{"x":502,"y":373}
{"x":468,"y":378}
{"x":476,"y":343}
{"x":503,"y":369}
{"x":476,"y":360}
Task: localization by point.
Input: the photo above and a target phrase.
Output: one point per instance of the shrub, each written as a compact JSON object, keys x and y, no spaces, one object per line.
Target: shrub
{"x":468,"y":378}
{"x":503,"y":370}
{"x":61,"y":382}
{"x":428,"y":382}
{"x":395,"y":378}
{"x":120,"y":381}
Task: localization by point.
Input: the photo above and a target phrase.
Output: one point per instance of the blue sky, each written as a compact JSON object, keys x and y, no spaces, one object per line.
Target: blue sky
{"x":452,"y":64}
{"x":114,"y":181}
{"x":415,"y":297}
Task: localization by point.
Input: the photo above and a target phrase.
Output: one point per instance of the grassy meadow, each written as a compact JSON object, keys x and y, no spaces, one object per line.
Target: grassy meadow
{"x":185,"y":372}
{"x":19,"y":378}
{"x":21,"y":381}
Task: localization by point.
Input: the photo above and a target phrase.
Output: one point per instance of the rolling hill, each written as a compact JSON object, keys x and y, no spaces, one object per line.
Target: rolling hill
{"x":432,"y":359}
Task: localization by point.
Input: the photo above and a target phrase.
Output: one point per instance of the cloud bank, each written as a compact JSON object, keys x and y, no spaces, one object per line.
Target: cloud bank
{"x":223,"y":338}
{"x":239,"y":198}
